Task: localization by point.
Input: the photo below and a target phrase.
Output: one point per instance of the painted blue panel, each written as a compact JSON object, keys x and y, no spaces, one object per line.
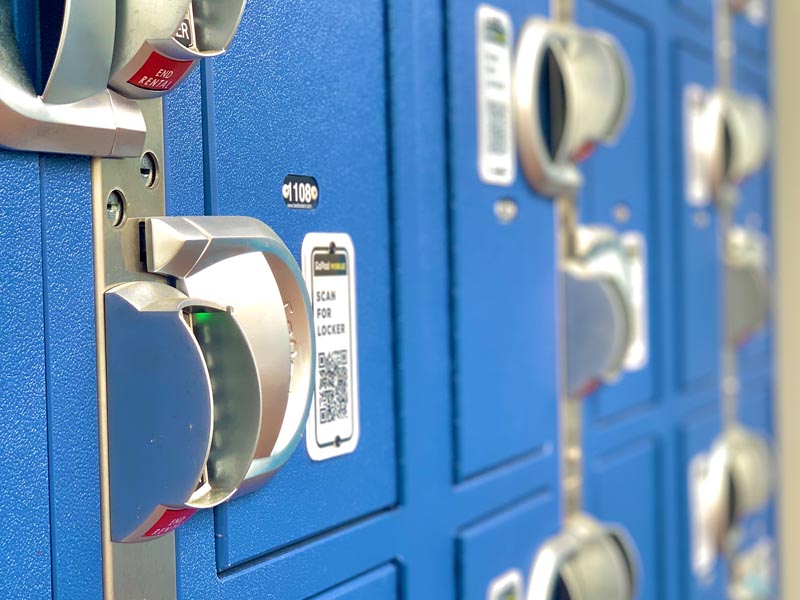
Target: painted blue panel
{"x":184,"y":145}
{"x":700,"y":11}
{"x":752,"y":39}
{"x":610,"y":497}
{"x":285,"y":101}
{"x":380,"y":584}
{"x":697,"y":286}
{"x":622,"y":176}
{"x":696,"y":436}
{"x":507,"y":540}
{"x":71,"y":382}
{"x":25,"y":528}
{"x":504,"y":278}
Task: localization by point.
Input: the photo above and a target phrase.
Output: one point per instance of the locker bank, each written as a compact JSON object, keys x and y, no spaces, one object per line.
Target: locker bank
{"x":322,"y":299}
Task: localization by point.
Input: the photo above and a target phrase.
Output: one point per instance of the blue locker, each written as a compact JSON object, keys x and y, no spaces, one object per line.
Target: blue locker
{"x":504,"y":284}
{"x":695,"y":435}
{"x":380,"y":584}
{"x":620,"y":178}
{"x":455,"y":478}
{"x":696,"y":247}
{"x":627,"y":488}
{"x":502,"y":542}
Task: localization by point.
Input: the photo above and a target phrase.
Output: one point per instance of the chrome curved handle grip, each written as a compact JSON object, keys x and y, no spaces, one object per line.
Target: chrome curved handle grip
{"x":240,"y":262}
{"x":548,"y":176}
{"x":595,"y":76}
{"x":76,"y":114}
{"x":727,"y":140}
{"x":591,"y":560}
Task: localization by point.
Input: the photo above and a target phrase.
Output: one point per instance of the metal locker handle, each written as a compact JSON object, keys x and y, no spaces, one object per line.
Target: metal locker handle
{"x":76,"y":114}
{"x":146,"y":36}
{"x":590,"y":560}
{"x":597,"y":95}
{"x":747,"y":284}
{"x":727,"y":140}
{"x":740,"y":479}
{"x":184,"y":405}
{"x":240,"y":262}
{"x":602,"y":323}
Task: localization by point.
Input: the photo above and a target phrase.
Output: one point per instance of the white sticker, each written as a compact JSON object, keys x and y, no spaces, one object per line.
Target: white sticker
{"x":698,"y":139}
{"x":507,"y":586}
{"x":639,"y":350}
{"x":329,"y":268}
{"x":702,"y":507}
{"x":496,"y":158}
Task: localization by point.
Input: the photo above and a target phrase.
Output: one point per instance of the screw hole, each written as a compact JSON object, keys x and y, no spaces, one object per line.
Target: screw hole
{"x":148,"y":168}
{"x":115,"y":208}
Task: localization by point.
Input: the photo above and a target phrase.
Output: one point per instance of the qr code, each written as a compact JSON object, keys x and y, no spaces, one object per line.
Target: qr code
{"x":497,"y":113}
{"x":332,"y":389}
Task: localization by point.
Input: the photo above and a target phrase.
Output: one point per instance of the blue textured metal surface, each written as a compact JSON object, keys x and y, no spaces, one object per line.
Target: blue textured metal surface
{"x":25,"y":542}
{"x":25,"y":533}
{"x":325,"y":117}
{"x":380,"y":584}
{"x":504,"y":285}
{"x":503,"y":541}
{"x":454,"y":481}
{"x":68,"y":269}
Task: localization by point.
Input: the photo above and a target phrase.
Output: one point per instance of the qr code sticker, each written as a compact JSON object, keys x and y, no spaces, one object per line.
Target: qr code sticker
{"x":497,"y":113}
{"x":333,"y":387}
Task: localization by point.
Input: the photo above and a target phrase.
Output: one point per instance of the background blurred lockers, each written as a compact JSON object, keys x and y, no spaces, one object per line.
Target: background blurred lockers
{"x":455,"y":478}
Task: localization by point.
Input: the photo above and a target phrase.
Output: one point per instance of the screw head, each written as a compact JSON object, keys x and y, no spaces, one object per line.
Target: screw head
{"x":148,"y":168}
{"x":506,"y":210}
{"x":115,"y":208}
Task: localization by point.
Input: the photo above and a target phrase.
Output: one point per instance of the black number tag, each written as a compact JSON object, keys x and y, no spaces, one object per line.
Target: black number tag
{"x":300,"y":192}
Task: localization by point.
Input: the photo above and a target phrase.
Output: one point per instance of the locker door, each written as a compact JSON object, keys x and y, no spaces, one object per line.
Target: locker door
{"x":303,"y":91}
{"x":503,"y":283}
{"x":622,"y":190}
{"x":696,"y":250}
{"x":696,"y":435}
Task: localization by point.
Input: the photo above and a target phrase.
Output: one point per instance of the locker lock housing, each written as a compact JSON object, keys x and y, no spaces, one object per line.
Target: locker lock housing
{"x":159,"y":42}
{"x":727,"y":137}
{"x":747,"y":282}
{"x":606,"y":307}
{"x":209,"y":369}
{"x":586,"y":561}
{"x":737,"y":481}
{"x":572,"y":91}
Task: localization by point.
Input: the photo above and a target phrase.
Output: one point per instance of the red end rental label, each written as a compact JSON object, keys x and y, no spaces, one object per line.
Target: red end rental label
{"x":170,"y":521}
{"x":159,"y":73}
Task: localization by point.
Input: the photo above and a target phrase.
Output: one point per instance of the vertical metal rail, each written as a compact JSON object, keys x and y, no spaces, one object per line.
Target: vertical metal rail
{"x":727,"y":199}
{"x":146,"y":570}
{"x":570,"y":408}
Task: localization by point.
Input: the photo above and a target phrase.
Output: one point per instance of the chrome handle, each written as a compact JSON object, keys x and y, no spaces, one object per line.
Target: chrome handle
{"x":591,"y":69}
{"x":591,"y":560}
{"x":76,"y":114}
{"x":240,"y":262}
